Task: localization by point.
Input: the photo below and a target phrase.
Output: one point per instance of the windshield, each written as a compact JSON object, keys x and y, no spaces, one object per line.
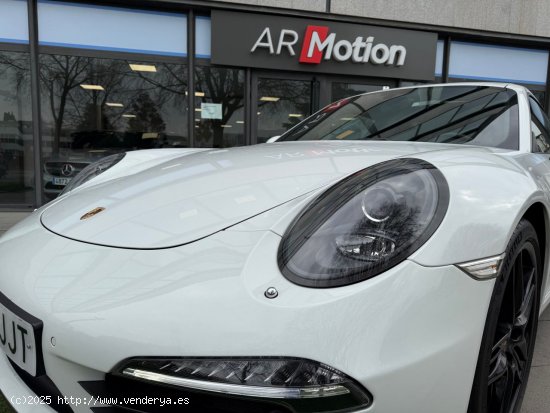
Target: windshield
{"x":473,"y":115}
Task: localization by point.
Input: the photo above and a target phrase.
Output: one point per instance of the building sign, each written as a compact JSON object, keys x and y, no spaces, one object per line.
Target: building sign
{"x":287,"y":43}
{"x":319,"y":45}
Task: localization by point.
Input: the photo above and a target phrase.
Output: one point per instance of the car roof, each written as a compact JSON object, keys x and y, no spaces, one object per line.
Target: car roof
{"x":512,"y":86}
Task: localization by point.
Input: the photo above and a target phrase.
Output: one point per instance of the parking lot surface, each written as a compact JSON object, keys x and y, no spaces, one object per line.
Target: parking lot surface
{"x":537,"y":398}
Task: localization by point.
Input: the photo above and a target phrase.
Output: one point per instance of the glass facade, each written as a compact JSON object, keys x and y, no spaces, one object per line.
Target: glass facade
{"x":122,"y":30}
{"x":96,"y":107}
{"x":281,"y":104}
{"x":128,"y":83}
{"x":341,"y":90}
{"x":16,"y":139}
{"x":13,"y":22}
{"x":219,"y":110}
{"x":495,"y":63}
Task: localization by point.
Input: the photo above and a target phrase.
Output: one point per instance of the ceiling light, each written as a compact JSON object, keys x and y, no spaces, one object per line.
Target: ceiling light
{"x":198,"y":110}
{"x":346,"y":119}
{"x":295,"y":115}
{"x":114,"y":105}
{"x":345,"y":134}
{"x":143,"y":68}
{"x":227,"y":126}
{"x":91,"y":87}
{"x":259,"y":113}
{"x":127,"y":115}
{"x":269,"y":99}
{"x":197,"y":94}
{"x":240,"y":121}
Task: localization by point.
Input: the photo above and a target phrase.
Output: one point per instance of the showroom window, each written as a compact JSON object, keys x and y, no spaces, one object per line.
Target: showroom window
{"x":282,"y":104}
{"x":495,"y":63}
{"x":203,"y":30}
{"x":341,"y":90}
{"x":219,"y":107}
{"x":13,"y":22}
{"x":16,"y":141}
{"x":95,"y":107}
{"x":120,"y":30}
{"x":108,"y":88}
{"x":439,"y":57}
{"x":16,"y":138}
{"x":219,"y":112}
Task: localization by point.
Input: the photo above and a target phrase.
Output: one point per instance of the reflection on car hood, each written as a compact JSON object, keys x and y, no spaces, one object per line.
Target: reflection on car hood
{"x":81,"y":156}
{"x":190,"y":197}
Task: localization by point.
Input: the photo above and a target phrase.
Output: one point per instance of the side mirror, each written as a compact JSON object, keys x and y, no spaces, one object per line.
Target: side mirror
{"x":273,"y":139}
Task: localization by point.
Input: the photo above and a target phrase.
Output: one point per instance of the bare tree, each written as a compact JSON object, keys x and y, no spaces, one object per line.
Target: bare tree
{"x":223,"y":86}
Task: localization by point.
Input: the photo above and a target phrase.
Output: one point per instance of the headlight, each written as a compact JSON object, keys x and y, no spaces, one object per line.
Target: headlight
{"x":364,"y":224}
{"x":93,"y":170}
{"x":304,"y":384}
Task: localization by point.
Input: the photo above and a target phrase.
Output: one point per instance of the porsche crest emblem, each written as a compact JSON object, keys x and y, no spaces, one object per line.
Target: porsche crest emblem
{"x":92,"y":213}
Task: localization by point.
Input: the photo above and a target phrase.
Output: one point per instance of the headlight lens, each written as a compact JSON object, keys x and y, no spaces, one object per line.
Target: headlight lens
{"x":365,"y":224}
{"x":93,"y":170}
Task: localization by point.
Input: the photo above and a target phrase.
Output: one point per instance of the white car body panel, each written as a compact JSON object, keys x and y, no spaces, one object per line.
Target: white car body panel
{"x":124,"y":284}
{"x":90,"y":292}
{"x":190,"y":197}
{"x":137,"y":161}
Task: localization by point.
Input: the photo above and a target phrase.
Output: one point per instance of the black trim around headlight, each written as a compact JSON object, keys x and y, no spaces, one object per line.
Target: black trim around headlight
{"x":365,"y":224}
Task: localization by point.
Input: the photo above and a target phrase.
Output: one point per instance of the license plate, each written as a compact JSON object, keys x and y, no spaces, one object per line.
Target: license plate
{"x":61,"y":181}
{"x":18,"y":336}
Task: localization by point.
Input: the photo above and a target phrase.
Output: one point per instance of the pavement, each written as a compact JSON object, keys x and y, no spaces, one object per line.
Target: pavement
{"x":537,"y":396}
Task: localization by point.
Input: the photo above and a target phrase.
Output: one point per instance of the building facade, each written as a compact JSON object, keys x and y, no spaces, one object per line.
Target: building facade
{"x":83,"y":80}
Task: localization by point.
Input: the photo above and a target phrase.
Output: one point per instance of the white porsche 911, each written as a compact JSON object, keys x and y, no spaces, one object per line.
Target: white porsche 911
{"x":389,"y":254}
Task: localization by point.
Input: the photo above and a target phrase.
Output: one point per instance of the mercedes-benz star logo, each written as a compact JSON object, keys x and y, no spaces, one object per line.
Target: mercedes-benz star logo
{"x":67,"y":169}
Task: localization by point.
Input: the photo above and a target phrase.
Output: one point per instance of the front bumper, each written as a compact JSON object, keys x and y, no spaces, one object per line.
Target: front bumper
{"x":17,"y":392}
{"x":410,"y":336}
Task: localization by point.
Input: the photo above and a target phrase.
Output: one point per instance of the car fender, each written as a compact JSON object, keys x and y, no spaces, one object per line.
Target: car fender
{"x":489,"y":196}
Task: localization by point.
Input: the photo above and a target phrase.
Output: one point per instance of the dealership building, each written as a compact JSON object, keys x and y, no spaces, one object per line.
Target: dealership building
{"x":82,"y":80}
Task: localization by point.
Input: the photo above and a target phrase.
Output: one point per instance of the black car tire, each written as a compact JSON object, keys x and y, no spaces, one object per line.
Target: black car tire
{"x":508,"y":341}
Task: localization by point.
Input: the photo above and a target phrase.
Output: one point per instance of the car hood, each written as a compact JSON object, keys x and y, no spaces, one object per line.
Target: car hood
{"x":193,"y":196}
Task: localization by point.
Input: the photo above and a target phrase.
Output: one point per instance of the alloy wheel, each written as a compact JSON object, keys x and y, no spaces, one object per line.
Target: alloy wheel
{"x":509,"y":363}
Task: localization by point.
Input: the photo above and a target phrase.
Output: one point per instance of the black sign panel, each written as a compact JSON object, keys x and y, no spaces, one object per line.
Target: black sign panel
{"x":321,"y":46}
